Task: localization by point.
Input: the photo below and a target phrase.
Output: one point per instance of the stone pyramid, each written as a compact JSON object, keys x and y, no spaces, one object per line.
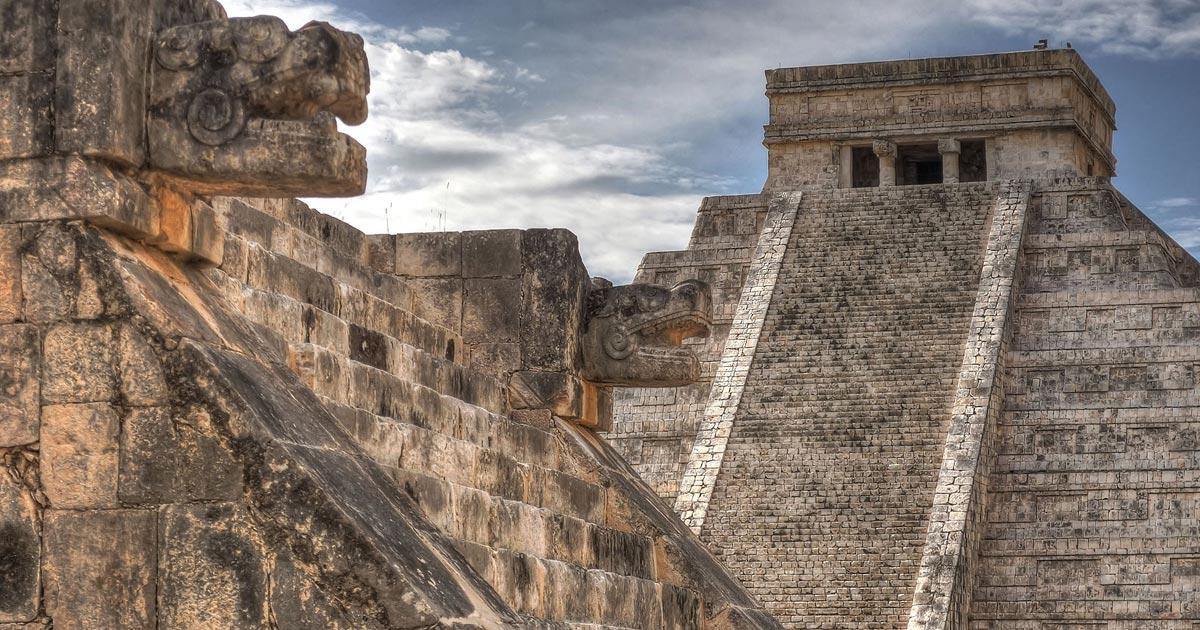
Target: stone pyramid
{"x":953,"y":376}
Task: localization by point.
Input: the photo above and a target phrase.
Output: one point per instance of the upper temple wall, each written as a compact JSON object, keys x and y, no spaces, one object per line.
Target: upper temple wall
{"x":1025,"y":114}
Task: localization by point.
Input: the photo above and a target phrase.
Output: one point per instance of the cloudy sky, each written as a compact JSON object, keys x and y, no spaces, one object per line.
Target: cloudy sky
{"x":614,"y":117}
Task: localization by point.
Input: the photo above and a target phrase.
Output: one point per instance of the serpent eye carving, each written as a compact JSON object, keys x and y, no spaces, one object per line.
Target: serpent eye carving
{"x":618,"y":344}
{"x":214,"y":117}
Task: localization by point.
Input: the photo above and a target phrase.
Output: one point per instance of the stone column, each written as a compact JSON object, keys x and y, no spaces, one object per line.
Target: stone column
{"x":846,"y":170}
{"x":885,"y":150}
{"x":950,"y":150}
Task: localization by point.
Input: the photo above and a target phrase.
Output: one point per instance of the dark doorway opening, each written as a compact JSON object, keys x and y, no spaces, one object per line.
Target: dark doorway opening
{"x":972,"y":162}
{"x":918,"y":164}
{"x":864,"y":169}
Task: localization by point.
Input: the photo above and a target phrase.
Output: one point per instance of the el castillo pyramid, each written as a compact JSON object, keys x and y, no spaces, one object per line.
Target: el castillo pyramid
{"x":938,"y":374}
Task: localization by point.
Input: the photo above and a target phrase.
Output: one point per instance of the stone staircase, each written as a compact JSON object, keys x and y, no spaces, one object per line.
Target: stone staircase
{"x":847,"y":402}
{"x":522,"y":506}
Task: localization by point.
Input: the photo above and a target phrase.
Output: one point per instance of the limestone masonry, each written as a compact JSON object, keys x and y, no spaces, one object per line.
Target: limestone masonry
{"x":950,"y":381}
{"x":938,"y":374}
{"x":222,"y":409}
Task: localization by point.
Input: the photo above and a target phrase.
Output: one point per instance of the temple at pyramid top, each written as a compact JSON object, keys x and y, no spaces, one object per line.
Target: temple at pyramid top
{"x":1010,"y":115}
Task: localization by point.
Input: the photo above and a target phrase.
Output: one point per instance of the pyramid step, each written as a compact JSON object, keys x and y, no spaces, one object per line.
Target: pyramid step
{"x":379,"y":391}
{"x":480,"y":518}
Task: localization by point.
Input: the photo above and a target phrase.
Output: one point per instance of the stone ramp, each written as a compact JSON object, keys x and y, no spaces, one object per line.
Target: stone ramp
{"x":822,"y":504}
{"x":181,"y":454}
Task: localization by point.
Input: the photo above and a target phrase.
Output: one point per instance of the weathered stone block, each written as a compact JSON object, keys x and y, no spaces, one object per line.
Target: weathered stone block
{"x":167,"y":460}
{"x":501,"y":476}
{"x":326,"y":330}
{"x":561,"y":393}
{"x":489,"y":309}
{"x":26,"y":77}
{"x":514,"y":525}
{"x":79,"y":454}
{"x":392,"y":289}
{"x":235,"y":260}
{"x":20,"y":365}
{"x":103,"y":53}
{"x":560,"y":492}
{"x":78,"y":364}
{"x":25,"y":114}
{"x":621,"y":601}
{"x":429,"y":254}
{"x":28,"y":36}
{"x":189,"y":227}
{"x":470,"y":516}
{"x":213,"y":572}
{"x":20,"y":553}
{"x":369,"y":347}
{"x":73,"y":188}
{"x":248,"y":222}
{"x":100,"y":569}
{"x":480,"y":557}
{"x":174,"y":221}
{"x":555,"y":287}
{"x":208,"y":237}
{"x":381,"y":252}
{"x":565,"y":592}
{"x":496,"y":358}
{"x":599,"y":408}
{"x":283,"y":275}
{"x":680,"y":607}
{"x":49,"y":273}
{"x":10,"y":273}
{"x":491,"y":253}
{"x":56,"y":283}
{"x":297,"y":602}
{"x":439,"y":301}
{"x":141,"y":376}
{"x":621,"y":552}
{"x":520,"y":581}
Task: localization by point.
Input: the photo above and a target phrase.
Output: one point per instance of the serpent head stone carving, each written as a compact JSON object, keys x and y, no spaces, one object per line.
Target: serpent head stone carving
{"x":634,"y":334}
{"x":246,"y":106}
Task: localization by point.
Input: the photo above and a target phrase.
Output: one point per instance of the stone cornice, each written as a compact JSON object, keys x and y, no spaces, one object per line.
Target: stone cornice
{"x":1022,"y":64}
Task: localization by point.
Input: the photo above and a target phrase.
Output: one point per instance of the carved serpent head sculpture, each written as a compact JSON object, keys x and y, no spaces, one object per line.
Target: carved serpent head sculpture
{"x":634,"y":333}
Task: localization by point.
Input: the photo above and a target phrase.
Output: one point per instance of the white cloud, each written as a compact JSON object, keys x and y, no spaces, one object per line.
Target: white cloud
{"x":1177,"y":202}
{"x":297,"y":13}
{"x":1143,"y":28}
{"x":1185,"y":231}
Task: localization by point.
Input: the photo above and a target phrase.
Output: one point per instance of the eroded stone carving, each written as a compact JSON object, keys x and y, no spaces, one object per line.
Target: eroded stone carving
{"x":633,"y":333}
{"x":245,"y":106}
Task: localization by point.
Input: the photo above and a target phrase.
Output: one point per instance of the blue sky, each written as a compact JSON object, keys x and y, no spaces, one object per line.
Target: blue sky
{"x":613,"y":118}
